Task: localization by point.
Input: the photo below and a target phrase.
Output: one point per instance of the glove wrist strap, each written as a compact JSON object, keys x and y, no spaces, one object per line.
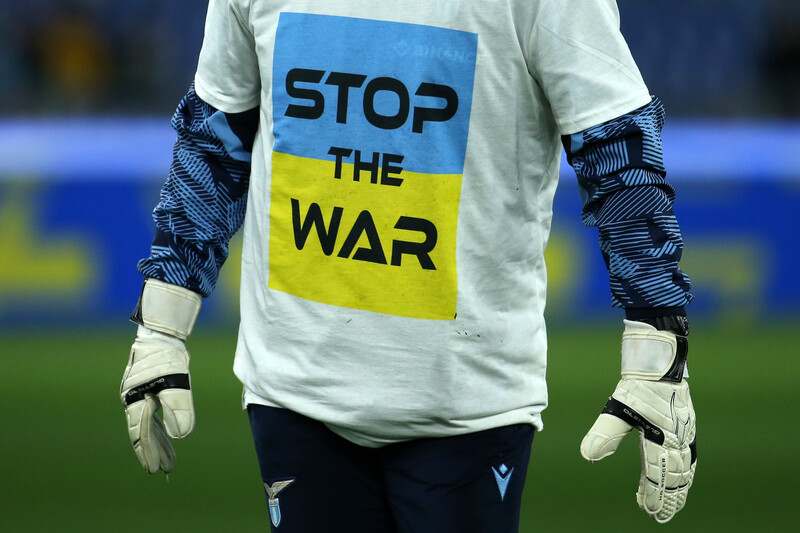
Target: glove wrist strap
{"x":167,"y":308}
{"x":652,"y":354}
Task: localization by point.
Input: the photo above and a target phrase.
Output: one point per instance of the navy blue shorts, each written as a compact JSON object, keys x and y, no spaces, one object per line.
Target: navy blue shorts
{"x":318,"y":482}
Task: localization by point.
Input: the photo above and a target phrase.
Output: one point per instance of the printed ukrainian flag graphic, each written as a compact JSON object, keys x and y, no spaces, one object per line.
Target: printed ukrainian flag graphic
{"x":370,"y":123}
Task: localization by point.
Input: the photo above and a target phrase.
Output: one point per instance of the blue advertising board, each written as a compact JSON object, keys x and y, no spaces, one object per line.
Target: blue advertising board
{"x":76,"y":198}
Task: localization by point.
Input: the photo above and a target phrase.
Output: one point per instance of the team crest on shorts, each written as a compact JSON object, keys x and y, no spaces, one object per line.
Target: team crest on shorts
{"x":274,"y":503}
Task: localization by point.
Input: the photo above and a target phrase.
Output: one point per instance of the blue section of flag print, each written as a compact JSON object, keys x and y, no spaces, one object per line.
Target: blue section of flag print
{"x":373,"y":86}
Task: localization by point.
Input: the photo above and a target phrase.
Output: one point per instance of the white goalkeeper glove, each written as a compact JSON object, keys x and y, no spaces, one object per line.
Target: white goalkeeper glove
{"x":654,"y":398}
{"x":157,"y":375}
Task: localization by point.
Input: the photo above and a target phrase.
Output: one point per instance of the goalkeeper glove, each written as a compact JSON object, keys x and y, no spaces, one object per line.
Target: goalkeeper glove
{"x":654,"y":398}
{"x":157,"y":375}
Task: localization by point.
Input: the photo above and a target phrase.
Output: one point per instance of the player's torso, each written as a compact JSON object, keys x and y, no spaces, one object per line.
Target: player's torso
{"x":398,"y":209}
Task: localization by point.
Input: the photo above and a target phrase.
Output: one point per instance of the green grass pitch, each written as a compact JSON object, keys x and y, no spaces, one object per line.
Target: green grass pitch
{"x":66,"y":463}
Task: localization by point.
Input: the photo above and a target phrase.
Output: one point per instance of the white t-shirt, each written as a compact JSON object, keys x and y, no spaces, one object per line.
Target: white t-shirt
{"x":393,"y":279}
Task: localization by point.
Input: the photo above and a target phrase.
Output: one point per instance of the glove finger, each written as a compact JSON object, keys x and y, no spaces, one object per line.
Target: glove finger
{"x":133,"y":414}
{"x":137,"y":414}
{"x":155,"y":451}
{"x":653,"y":481}
{"x":679,"y":479}
{"x":166,"y":451}
{"x":678,"y":468}
{"x":178,"y":412}
{"x":604,"y":437}
{"x":674,"y":500}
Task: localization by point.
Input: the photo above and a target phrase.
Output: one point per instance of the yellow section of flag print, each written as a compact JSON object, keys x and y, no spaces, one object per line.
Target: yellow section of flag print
{"x":360,"y":232}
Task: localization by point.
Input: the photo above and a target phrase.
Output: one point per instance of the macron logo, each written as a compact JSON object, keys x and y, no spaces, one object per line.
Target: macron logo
{"x":502,"y":475}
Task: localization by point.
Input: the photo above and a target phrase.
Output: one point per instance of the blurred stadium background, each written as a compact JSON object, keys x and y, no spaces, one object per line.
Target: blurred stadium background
{"x":87,"y":89}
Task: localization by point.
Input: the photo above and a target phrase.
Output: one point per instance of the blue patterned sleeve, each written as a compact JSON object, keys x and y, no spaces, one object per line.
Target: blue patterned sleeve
{"x":621,"y":174}
{"x":203,"y":200}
